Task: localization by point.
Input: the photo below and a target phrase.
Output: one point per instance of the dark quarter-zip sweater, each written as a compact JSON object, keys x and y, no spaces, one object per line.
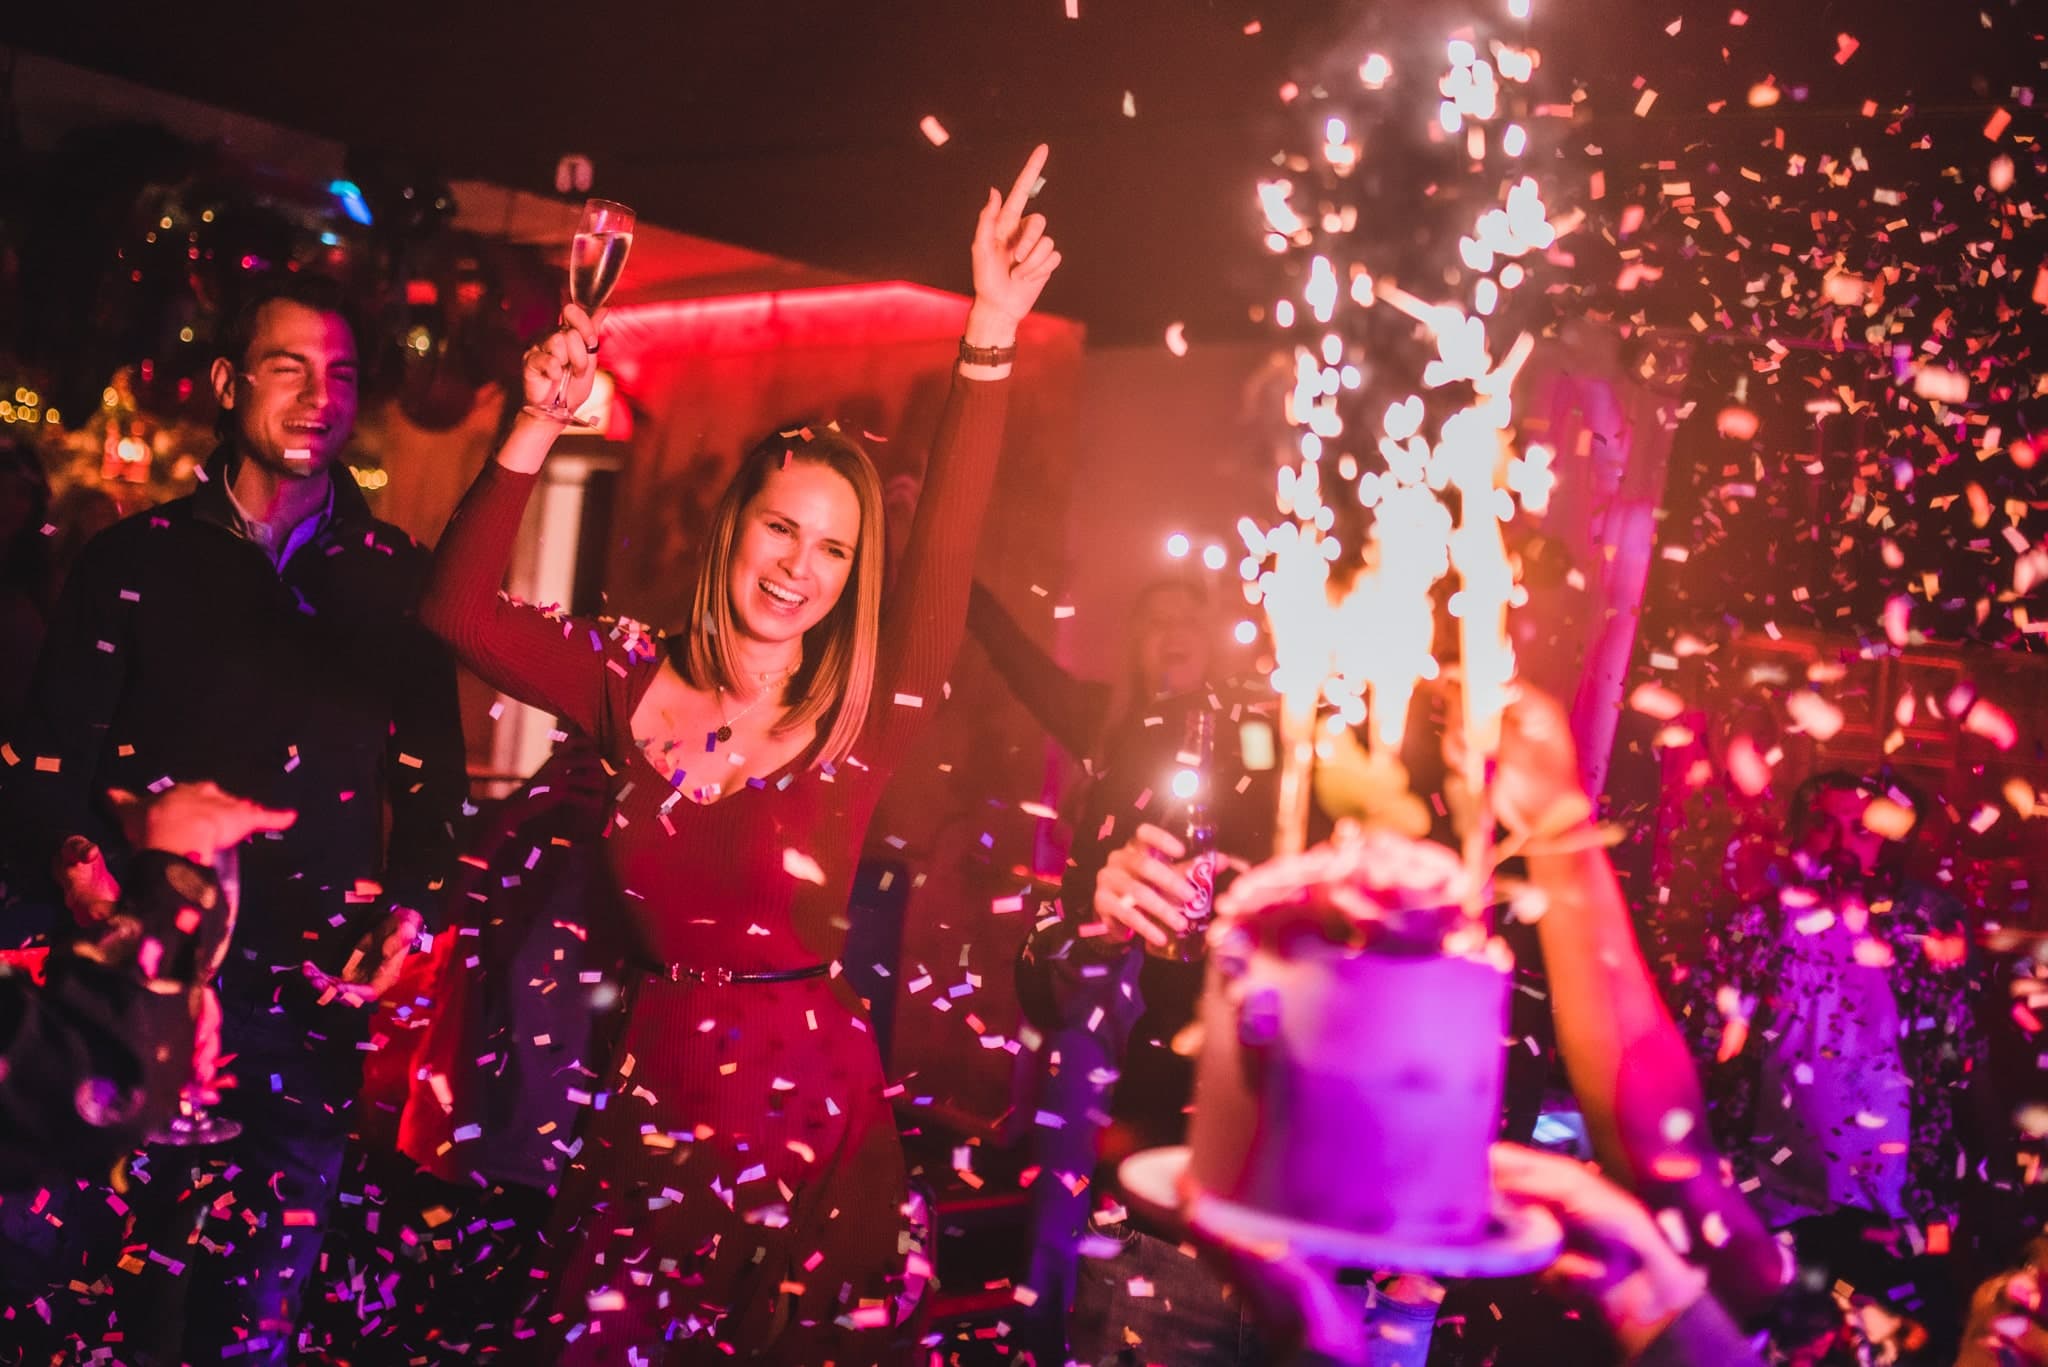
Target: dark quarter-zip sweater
{"x":180,"y":653}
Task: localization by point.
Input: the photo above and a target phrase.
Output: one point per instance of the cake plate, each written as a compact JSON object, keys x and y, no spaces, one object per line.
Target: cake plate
{"x":1519,"y":1238}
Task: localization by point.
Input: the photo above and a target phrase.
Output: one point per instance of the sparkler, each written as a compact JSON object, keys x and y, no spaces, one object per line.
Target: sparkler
{"x":1377,"y":640}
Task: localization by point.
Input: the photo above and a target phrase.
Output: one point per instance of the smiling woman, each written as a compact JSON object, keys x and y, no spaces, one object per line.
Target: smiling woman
{"x":788,"y":536}
{"x":741,"y":1187}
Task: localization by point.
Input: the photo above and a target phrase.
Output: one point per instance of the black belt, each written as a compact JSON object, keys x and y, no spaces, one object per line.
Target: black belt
{"x":725,"y":977}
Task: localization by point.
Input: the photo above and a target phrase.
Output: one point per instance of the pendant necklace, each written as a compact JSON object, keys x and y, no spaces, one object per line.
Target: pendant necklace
{"x":714,"y":739}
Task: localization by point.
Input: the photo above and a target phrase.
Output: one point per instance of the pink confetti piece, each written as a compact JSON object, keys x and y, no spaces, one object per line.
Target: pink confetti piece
{"x":934,"y":131}
{"x":1814,"y":715}
{"x":1993,"y":723}
{"x":1898,"y":610}
{"x":1747,"y":767}
{"x":1656,"y":701}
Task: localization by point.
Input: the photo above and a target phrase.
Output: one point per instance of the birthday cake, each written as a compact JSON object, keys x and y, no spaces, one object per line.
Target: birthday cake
{"x":1351,"y":1065}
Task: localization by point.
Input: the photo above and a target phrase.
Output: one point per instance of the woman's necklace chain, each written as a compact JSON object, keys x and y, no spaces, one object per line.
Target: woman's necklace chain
{"x":662,"y":752}
{"x":723,"y":734}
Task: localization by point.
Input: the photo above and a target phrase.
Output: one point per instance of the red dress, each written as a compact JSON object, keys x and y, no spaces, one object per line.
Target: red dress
{"x":743,"y":1181}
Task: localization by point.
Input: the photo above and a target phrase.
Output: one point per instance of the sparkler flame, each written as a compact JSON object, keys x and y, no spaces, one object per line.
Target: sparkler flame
{"x":1377,"y":640}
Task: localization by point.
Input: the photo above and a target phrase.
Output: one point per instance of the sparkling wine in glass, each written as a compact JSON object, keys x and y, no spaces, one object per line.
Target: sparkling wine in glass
{"x":597,"y":258}
{"x":194,"y":1125}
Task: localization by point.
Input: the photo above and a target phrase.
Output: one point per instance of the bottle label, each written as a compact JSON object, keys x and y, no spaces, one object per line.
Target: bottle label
{"x":1202,"y":873}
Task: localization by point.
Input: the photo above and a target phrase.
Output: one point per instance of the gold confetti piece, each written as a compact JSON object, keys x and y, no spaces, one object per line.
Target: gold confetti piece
{"x":2020,"y":794}
{"x":934,"y":131}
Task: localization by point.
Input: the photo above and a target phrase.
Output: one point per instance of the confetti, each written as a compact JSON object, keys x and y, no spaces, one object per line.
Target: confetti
{"x":799,"y":865}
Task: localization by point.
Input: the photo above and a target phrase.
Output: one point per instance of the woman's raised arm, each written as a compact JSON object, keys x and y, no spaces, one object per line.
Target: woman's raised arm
{"x":1628,"y":1064}
{"x":550,"y":661}
{"x":924,"y":623}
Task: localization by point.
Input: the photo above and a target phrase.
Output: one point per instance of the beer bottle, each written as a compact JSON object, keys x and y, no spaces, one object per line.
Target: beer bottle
{"x":1197,"y":758}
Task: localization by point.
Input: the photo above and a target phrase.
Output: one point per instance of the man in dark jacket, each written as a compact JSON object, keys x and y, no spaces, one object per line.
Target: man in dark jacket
{"x":261,"y":634}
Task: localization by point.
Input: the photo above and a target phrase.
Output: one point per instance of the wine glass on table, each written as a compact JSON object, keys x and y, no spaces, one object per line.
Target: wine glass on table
{"x":194,"y":1124}
{"x":597,"y":258}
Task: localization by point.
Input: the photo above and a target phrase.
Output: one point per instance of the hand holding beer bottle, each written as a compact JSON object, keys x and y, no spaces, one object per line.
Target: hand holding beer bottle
{"x":1161,"y":885}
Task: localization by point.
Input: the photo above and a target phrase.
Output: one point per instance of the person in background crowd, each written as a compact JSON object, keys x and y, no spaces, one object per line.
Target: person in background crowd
{"x":741,"y":1188}
{"x":1839,"y":1009}
{"x":523,"y":988}
{"x":1106,"y":1013}
{"x":25,"y":572}
{"x":1171,"y":631}
{"x":261,"y":632}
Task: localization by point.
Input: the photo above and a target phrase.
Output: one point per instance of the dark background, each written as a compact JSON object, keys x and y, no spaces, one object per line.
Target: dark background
{"x":792,"y":125}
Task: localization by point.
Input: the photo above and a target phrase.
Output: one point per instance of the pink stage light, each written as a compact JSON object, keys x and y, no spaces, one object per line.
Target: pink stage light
{"x":831,"y":315}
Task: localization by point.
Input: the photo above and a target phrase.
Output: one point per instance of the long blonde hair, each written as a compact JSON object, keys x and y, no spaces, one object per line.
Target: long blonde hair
{"x":835,"y":684}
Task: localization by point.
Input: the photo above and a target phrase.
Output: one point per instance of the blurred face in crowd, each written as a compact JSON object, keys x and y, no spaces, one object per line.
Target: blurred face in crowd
{"x":293,"y":397}
{"x":796,"y":545}
{"x":1169,"y":629}
{"x":1837,"y":839}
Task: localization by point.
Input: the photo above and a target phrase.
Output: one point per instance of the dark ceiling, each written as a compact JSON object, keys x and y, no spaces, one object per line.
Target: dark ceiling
{"x":793,"y":125}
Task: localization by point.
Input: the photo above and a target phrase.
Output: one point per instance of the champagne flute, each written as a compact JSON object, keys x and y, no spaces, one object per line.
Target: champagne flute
{"x":194,"y":1125}
{"x":597,"y":258}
